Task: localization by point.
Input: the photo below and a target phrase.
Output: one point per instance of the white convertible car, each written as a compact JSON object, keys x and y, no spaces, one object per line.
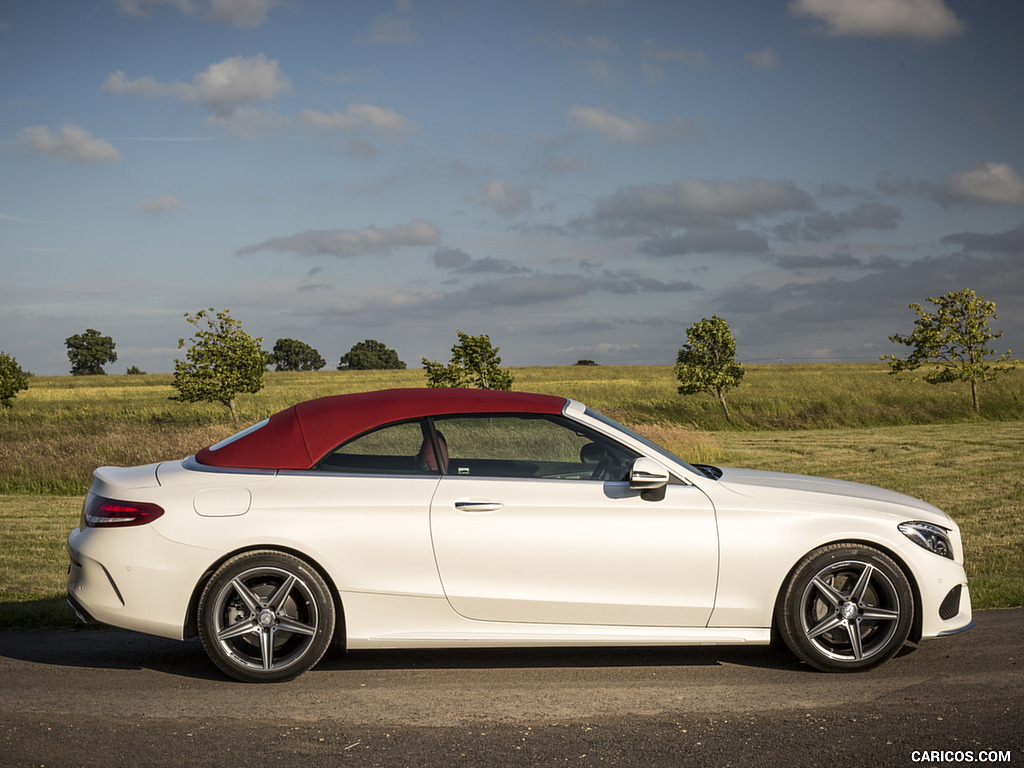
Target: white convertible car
{"x":441,"y":518}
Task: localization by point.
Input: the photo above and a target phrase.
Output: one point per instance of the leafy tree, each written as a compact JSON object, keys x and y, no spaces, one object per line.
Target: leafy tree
{"x":474,"y":363}
{"x":953,"y":341}
{"x":585,"y":362}
{"x":89,"y":351}
{"x":707,"y":362}
{"x":292,"y":355}
{"x":370,"y":355}
{"x":135,"y":371}
{"x":12,"y":380}
{"x":222,"y":362}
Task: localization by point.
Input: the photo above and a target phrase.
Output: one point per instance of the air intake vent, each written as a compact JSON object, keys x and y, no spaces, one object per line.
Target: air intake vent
{"x":951,"y":605}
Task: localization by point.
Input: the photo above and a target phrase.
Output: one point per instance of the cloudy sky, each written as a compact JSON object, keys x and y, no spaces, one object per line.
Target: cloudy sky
{"x":576,"y":178}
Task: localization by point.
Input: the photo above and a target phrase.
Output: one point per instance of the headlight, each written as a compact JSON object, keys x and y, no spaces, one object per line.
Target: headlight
{"x":931,"y":537}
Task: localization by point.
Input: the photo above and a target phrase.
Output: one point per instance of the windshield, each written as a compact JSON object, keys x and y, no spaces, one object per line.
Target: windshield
{"x":654,"y":447}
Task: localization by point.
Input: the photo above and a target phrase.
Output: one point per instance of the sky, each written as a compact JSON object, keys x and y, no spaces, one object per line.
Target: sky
{"x":578,"y":179}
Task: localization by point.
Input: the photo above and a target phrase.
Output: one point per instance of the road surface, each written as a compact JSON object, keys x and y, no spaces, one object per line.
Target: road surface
{"x":108,"y":698}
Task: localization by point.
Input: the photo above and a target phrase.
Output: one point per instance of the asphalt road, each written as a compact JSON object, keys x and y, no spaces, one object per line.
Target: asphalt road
{"x":111,"y":698}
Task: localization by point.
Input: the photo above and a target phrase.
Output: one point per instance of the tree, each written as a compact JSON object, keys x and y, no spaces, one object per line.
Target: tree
{"x":370,"y":355}
{"x":292,"y":355}
{"x":474,"y":363}
{"x":12,"y":380}
{"x":585,"y":362}
{"x":954,"y":342}
{"x":707,"y":362}
{"x":89,"y":351}
{"x":223,"y":361}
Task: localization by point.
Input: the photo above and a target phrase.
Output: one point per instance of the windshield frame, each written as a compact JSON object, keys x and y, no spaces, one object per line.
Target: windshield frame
{"x":649,"y":444}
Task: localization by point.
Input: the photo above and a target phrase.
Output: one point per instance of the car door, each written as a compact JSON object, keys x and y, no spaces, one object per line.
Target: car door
{"x":364,"y":509}
{"x":535,"y":522}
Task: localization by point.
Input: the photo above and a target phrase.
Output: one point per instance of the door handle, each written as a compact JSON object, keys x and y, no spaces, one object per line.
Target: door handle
{"x":466,"y":505}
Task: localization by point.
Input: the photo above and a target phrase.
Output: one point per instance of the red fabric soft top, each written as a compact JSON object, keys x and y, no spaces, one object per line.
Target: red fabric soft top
{"x":298,"y":437}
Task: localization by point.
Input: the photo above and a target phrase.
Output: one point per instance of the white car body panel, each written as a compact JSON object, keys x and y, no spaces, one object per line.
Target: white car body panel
{"x":527,"y":562}
{"x":571,"y":552}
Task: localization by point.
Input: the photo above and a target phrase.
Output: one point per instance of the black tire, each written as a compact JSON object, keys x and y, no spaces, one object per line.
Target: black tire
{"x":846,"y":607}
{"x":265,"y":617}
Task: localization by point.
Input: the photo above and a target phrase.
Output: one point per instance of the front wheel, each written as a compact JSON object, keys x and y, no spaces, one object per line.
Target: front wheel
{"x":846,"y":607}
{"x":265,"y":617}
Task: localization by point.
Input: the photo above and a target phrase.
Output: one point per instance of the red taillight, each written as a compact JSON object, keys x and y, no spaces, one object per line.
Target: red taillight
{"x":112,"y":513}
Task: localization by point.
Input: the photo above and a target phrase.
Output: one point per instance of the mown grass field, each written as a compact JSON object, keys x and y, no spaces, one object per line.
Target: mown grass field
{"x":851,"y":421}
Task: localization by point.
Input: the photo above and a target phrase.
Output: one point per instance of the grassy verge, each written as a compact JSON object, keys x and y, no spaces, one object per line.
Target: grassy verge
{"x":33,"y":561}
{"x":63,"y":427}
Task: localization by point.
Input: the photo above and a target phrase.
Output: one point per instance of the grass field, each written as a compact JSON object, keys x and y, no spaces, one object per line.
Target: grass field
{"x":850,"y":421}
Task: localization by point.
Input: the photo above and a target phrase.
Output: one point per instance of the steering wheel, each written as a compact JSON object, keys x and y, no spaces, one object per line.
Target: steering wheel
{"x":603,"y":470}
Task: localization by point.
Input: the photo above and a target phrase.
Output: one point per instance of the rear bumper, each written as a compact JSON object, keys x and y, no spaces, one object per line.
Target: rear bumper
{"x":133,"y":579}
{"x":83,"y":615}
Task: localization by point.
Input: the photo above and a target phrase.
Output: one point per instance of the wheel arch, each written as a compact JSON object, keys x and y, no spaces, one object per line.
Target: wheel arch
{"x":916,"y":625}
{"x":191,"y":626}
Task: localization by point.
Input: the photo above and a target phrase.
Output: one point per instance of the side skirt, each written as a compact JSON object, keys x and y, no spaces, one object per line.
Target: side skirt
{"x":375,"y":621}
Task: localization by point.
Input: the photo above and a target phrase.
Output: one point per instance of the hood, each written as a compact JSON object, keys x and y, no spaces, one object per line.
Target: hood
{"x":824,"y":491}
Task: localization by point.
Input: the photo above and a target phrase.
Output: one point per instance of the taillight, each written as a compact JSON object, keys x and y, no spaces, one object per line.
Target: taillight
{"x":112,"y":513}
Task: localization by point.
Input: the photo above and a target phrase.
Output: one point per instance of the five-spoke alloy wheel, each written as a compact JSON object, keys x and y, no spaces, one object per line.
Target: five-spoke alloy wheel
{"x":845,"y":607}
{"x":265,"y":616}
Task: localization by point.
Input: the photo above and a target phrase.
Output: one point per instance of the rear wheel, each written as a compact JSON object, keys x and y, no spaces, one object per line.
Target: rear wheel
{"x":846,"y":607}
{"x":266,"y":616}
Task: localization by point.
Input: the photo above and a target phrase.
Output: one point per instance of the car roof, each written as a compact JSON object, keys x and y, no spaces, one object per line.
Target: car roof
{"x":298,"y":437}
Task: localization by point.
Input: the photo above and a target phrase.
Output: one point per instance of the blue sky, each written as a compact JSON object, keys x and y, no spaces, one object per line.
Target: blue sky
{"x":576,"y":178}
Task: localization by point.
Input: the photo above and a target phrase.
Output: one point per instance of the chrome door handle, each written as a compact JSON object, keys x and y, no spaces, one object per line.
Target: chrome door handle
{"x":477,"y":506}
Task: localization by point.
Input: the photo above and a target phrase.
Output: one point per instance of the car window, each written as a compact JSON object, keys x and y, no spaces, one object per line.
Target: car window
{"x":530,"y":446}
{"x":395,"y":449}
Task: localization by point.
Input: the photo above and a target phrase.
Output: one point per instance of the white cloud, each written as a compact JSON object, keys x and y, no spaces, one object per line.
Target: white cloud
{"x":145,"y":8}
{"x":630,"y":129}
{"x":507,"y":291}
{"x":692,"y":203}
{"x":380,"y":121}
{"x":238,"y":81}
{"x":995,"y":183}
{"x":347,"y":242}
{"x":1009,"y":242}
{"x":248,"y":122}
{"x":118,"y":84}
{"x":73,"y":144}
{"x":245,"y":14}
{"x":221,"y":88}
{"x":504,"y":197}
{"x":392,"y":28}
{"x":162,"y":204}
{"x":824,"y":225}
{"x":988,"y":183}
{"x":925,"y":20}
{"x":461,"y":262}
{"x":766,"y":58}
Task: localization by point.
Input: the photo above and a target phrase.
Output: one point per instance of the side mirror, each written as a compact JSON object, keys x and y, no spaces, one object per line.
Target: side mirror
{"x":649,"y":477}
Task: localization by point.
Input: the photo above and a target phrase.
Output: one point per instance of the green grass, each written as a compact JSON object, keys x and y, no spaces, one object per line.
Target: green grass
{"x":850,"y":421}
